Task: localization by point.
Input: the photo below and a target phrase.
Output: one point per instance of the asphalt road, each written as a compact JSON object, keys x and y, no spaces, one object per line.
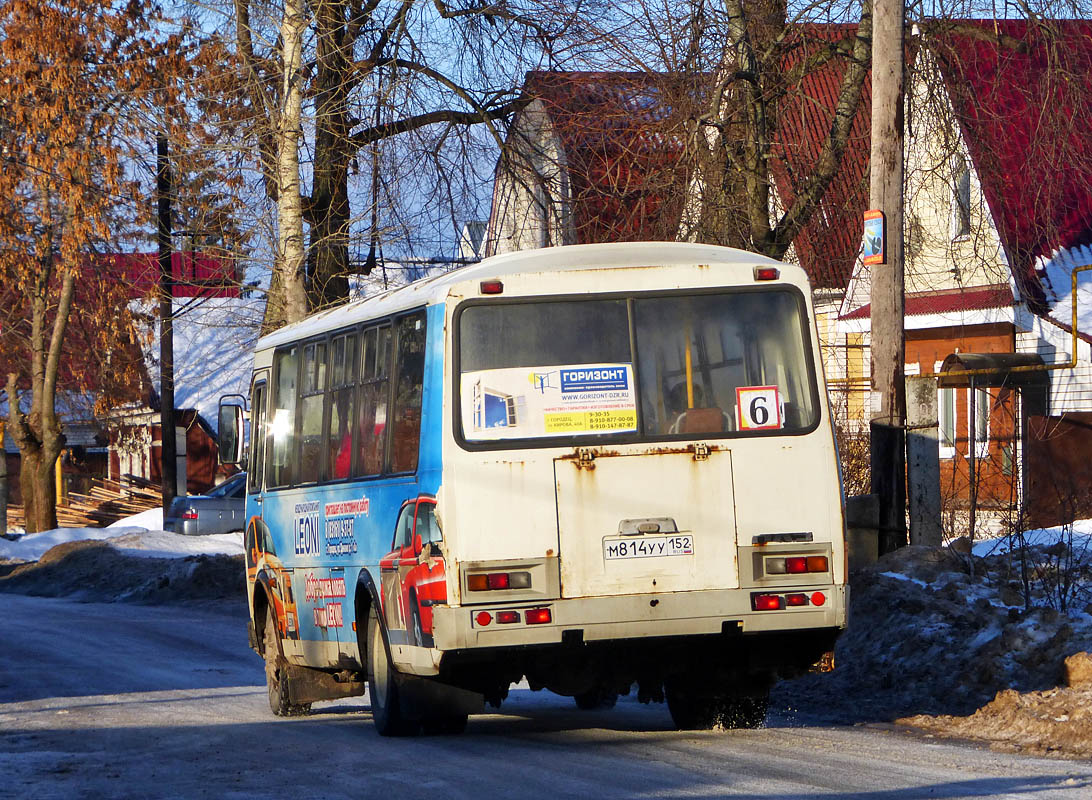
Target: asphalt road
{"x":119,"y":700}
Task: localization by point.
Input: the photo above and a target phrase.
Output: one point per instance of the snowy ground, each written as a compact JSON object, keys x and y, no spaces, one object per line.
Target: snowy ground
{"x":935,"y":636}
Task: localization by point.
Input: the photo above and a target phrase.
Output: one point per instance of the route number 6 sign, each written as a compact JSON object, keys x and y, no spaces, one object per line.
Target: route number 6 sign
{"x":758,"y":408}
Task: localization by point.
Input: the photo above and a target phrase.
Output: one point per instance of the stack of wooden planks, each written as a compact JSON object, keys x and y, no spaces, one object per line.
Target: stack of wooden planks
{"x":105,"y":503}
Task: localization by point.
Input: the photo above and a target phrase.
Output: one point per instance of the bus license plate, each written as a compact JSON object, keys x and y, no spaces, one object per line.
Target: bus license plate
{"x":648,"y":546}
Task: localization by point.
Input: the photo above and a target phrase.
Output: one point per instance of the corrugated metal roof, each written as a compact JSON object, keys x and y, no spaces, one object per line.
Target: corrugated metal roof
{"x":947,"y":301}
{"x":623,"y":136}
{"x":827,"y":246}
{"x":1022,"y":92}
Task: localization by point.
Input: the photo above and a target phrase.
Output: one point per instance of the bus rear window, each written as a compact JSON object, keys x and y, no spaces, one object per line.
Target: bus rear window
{"x":704,"y":364}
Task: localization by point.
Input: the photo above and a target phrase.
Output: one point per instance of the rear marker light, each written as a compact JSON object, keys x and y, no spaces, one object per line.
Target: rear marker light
{"x":766,"y":602}
{"x":818,"y":598}
{"x":485,"y":581}
{"x":797,"y":565}
{"x":767,"y":273}
{"x":483,"y":618}
{"x":507,"y":617}
{"x":189,"y":513}
{"x":817,"y":563}
{"x":796,"y":599}
{"x":491,"y":287}
{"x":537,"y":616}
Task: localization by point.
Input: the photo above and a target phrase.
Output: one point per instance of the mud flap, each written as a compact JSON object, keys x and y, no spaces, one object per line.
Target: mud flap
{"x":426,"y":697}
{"x":309,"y":685}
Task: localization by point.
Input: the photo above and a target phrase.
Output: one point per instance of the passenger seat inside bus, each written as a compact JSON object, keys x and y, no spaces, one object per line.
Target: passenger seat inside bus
{"x":702,"y":420}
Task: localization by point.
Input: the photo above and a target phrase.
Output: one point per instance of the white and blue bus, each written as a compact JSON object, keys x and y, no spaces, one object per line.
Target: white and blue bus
{"x":599,"y":468}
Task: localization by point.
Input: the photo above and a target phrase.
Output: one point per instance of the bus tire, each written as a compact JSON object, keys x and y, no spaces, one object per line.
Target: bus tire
{"x":450,"y":725}
{"x":595,"y":699}
{"x":387,"y":712}
{"x":693,"y":711}
{"x":280,"y":702}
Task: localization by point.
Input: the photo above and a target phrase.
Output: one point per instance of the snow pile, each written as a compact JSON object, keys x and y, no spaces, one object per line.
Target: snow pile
{"x":935,"y":634}
{"x":127,"y":535}
{"x":126,"y":562}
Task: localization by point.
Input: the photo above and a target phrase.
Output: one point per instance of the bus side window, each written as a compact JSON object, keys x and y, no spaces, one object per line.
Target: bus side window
{"x":408,"y":392}
{"x":339,"y":425}
{"x":281,"y":449}
{"x":257,"y":438}
{"x":312,"y":399}
{"x":371,"y":426}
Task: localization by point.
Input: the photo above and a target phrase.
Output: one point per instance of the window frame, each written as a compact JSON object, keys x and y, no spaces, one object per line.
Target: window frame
{"x":591,"y":440}
{"x":981,"y":443}
{"x":392,"y":367}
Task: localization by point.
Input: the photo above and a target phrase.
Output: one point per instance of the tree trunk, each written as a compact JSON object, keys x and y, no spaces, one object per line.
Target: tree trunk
{"x":328,"y":212}
{"x":38,"y":434}
{"x":291,"y":258}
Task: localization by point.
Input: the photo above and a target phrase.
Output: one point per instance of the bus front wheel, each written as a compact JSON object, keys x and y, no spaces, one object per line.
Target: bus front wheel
{"x":280,"y":702}
{"x":387,"y":712}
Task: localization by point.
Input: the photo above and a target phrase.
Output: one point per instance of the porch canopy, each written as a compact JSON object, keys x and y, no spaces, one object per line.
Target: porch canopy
{"x":1024,"y":371}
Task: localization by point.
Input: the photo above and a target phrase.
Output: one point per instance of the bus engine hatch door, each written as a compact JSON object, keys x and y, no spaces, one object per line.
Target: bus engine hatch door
{"x":646,"y":522}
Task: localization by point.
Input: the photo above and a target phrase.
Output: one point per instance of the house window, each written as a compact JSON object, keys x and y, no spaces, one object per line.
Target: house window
{"x":946,"y":418}
{"x":961,"y":198}
{"x":981,"y":421}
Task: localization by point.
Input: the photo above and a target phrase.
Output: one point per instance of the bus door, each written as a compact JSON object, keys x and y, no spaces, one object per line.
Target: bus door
{"x":262,"y":559}
{"x":413,"y":575}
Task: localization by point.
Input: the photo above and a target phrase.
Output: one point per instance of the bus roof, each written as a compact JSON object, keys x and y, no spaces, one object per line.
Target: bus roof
{"x":547,"y":259}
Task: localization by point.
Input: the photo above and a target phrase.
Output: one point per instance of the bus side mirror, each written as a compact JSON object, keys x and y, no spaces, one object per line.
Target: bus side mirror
{"x":230,"y":434}
{"x":418,"y":545}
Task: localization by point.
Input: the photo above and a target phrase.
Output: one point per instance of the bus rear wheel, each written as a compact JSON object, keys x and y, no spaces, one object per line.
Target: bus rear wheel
{"x":280,"y":702}
{"x":697,"y":711}
{"x":387,"y":711}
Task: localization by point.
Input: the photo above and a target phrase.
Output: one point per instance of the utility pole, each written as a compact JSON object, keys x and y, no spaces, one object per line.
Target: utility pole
{"x":167,"y":449}
{"x":888,"y":426}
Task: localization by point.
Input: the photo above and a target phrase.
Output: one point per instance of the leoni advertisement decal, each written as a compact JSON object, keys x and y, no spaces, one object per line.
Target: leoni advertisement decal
{"x":340,"y":527}
{"x":305,"y":525}
{"x":522,"y":402}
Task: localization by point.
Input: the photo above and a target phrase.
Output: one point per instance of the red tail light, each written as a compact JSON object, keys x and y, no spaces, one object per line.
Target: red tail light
{"x":491,"y":287}
{"x":537,"y":616}
{"x":766,"y":602}
{"x":818,"y":598}
{"x":767,"y":273}
{"x":483,"y":618}
{"x":796,"y":565}
{"x":507,"y":617}
{"x":189,"y":513}
{"x":796,"y":599}
{"x":497,"y":580}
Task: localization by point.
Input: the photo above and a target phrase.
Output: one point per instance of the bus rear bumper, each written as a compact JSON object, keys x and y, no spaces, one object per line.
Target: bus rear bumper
{"x":637,"y":616}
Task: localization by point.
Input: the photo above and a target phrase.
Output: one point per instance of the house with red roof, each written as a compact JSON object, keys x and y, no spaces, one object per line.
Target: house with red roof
{"x":124,"y":438}
{"x":998,"y":202}
{"x":998,"y":212}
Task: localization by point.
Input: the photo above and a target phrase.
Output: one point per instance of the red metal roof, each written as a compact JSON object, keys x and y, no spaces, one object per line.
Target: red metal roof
{"x":623,"y":136}
{"x":1025,"y":107}
{"x":618,"y":132}
{"x":196,"y":274}
{"x":947,"y":301}
{"x":827,"y":246}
